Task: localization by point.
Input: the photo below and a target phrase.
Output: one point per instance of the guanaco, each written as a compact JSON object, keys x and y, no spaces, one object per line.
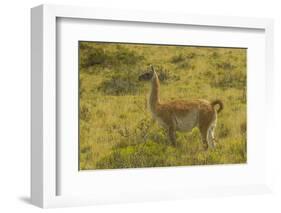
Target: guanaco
{"x":183,"y":115}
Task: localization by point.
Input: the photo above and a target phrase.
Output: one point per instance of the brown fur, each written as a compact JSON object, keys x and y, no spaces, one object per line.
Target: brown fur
{"x":182,"y":115}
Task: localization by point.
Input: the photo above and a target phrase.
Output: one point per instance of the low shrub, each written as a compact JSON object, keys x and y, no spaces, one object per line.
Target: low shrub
{"x":94,"y":56}
{"x":98,"y":56}
{"x":177,"y":59}
{"x":119,"y":85}
{"x":149,"y":154}
{"x":125,"y":56}
{"x":228,"y":79}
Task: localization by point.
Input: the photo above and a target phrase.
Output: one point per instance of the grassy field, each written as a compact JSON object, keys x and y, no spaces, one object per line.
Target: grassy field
{"x":116,"y":128}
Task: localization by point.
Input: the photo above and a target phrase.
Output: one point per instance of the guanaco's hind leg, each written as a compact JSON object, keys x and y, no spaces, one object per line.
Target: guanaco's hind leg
{"x":211,"y":132}
{"x":211,"y":136}
{"x":207,"y":121}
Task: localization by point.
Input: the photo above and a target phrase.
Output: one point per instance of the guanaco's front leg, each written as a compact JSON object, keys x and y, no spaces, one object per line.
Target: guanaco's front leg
{"x":172,"y":135}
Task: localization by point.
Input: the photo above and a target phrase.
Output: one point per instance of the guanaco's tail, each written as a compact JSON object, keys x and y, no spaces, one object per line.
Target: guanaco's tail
{"x":217,"y":102}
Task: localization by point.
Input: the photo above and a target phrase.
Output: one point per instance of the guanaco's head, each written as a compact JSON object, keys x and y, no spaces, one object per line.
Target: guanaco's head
{"x":154,"y":79}
{"x":154,"y":74}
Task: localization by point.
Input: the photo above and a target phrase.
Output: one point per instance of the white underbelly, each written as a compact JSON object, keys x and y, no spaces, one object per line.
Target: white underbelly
{"x":187,"y":122}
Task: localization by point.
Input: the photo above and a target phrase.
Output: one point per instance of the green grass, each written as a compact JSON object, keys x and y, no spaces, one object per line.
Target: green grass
{"x":116,"y":129}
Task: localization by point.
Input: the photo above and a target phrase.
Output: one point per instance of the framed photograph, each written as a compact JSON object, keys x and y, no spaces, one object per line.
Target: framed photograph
{"x":131,"y":106}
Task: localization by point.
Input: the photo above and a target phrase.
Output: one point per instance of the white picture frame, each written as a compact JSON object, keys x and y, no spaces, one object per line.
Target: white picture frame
{"x":44,"y":154}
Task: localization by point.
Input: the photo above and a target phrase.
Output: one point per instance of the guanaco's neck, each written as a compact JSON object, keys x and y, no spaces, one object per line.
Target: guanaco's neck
{"x":154,"y":98}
